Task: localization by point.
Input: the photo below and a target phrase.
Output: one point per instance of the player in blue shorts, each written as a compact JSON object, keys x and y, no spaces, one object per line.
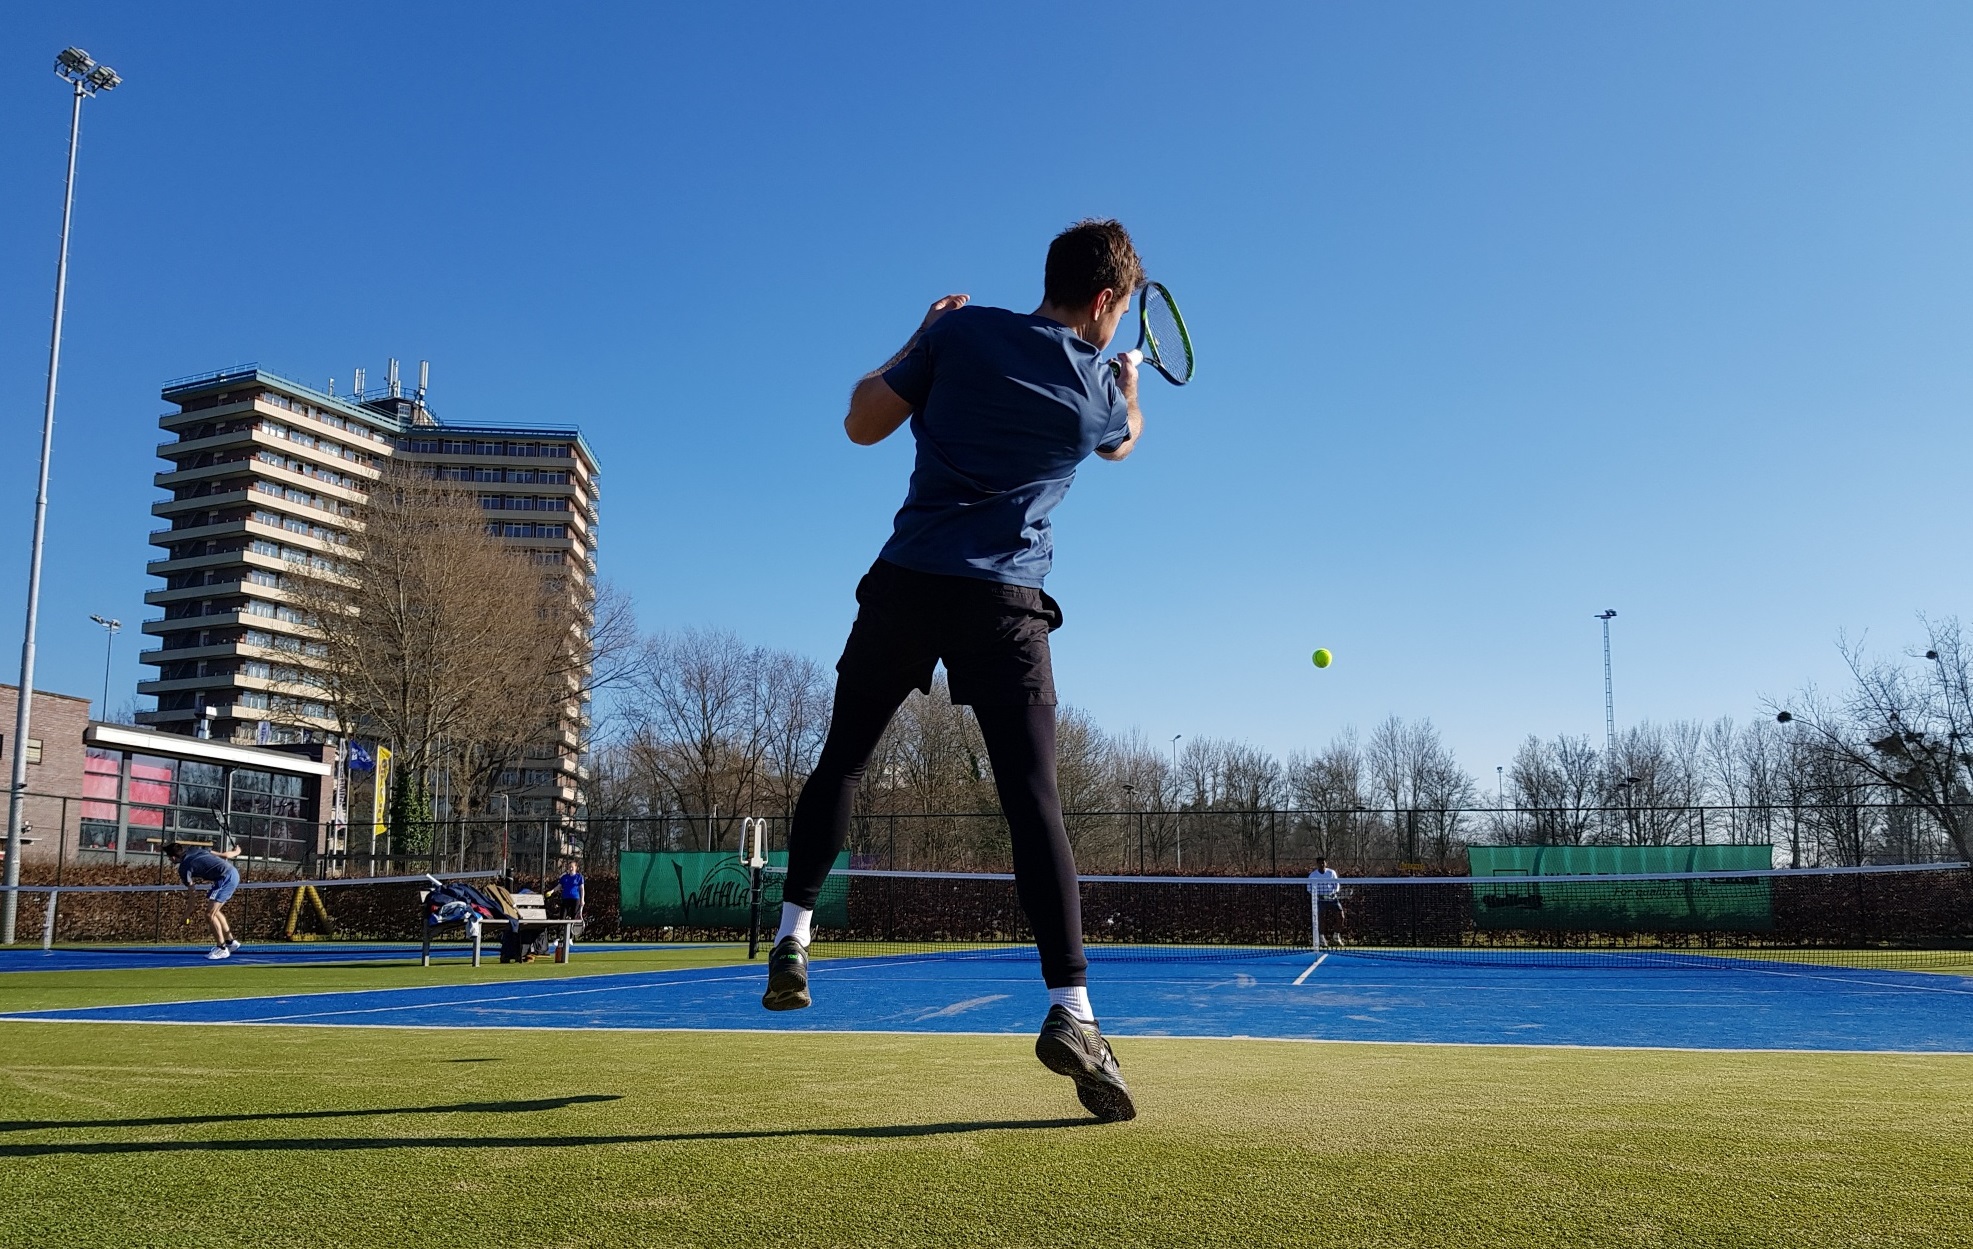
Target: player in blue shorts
{"x":1003,"y":406}
{"x":197,"y":865}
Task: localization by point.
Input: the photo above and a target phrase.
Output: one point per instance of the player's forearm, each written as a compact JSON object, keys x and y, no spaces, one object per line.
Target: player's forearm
{"x":875,"y":412}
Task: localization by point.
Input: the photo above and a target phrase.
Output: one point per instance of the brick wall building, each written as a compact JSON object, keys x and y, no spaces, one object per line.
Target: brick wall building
{"x":54,"y":766}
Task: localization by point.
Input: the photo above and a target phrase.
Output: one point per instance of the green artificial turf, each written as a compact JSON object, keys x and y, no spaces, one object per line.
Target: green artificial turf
{"x":130,"y":1136}
{"x":112,"y":985}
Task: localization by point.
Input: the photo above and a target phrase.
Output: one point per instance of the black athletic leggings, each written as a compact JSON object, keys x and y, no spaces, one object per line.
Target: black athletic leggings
{"x":1020,"y":741}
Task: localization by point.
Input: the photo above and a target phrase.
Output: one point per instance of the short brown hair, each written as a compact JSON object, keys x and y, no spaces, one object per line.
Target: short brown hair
{"x":1088,"y":258}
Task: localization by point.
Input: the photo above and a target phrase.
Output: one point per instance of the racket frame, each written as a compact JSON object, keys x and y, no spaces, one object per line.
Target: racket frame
{"x":1147,"y":347}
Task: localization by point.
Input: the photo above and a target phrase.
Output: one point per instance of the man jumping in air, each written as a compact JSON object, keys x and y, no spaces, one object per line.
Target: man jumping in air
{"x":1003,"y":406}
{"x":195,"y":864}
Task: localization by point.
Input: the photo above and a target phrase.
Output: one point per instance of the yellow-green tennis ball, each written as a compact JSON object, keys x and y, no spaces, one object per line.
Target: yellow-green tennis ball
{"x":1321,"y":657}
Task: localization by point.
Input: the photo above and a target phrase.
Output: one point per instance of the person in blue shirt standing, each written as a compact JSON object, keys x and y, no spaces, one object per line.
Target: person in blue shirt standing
{"x":565,"y":898}
{"x":1004,"y":406}
{"x":196,"y":864}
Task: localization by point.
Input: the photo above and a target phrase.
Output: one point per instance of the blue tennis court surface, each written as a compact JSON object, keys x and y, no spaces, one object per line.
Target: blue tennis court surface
{"x":129,"y":957}
{"x":1345,"y":998}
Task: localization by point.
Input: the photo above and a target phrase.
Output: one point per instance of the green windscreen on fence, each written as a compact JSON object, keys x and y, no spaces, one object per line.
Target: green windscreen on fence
{"x":1508,"y":891}
{"x":708,"y":889}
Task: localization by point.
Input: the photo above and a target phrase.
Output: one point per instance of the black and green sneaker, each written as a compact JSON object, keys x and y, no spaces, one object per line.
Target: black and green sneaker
{"x":787,"y":976}
{"x":1071,"y":1048}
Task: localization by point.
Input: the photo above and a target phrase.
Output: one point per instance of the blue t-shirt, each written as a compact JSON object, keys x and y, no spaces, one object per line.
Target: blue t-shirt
{"x":570,"y":886}
{"x":1005,"y":405}
{"x":202,"y":865}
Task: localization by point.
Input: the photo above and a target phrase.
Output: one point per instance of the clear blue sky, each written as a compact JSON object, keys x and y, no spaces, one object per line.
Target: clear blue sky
{"x":1508,"y":313}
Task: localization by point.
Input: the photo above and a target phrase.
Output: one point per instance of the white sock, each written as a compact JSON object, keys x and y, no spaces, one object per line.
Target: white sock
{"x":1075,"y":1001}
{"x":795,"y":923}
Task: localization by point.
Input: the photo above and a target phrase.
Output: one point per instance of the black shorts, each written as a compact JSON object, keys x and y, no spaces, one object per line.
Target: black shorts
{"x":992,"y":638}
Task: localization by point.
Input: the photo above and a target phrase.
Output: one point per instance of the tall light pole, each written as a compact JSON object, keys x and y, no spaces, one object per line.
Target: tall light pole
{"x":109,"y":628}
{"x":1609,"y":705}
{"x":1177,"y":823}
{"x":88,"y":78}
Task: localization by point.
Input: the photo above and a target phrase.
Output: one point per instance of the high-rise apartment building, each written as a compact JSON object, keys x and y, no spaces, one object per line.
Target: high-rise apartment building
{"x":265,"y":475}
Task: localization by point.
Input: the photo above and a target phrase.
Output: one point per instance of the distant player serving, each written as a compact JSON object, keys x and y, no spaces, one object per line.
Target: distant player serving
{"x":1004,"y":406}
{"x":197,"y":865}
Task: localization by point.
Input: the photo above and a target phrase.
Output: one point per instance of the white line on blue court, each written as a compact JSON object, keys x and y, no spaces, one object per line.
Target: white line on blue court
{"x":1311,"y":967}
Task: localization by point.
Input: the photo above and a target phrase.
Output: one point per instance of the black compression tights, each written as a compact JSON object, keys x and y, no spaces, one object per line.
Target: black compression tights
{"x":1020,"y":742}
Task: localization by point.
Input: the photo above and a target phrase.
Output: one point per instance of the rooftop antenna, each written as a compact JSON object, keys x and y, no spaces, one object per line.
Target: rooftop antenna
{"x":358,"y":392}
{"x":332,"y":388}
{"x":1609,"y":707}
{"x":424,"y":379}
{"x":390,"y":379}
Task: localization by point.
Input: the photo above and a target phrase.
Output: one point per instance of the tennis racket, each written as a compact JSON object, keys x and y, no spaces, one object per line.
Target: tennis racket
{"x":1162,"y":339}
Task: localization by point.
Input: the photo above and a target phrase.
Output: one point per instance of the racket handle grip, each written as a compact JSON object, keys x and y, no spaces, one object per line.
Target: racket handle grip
{"x":1135,"y":356}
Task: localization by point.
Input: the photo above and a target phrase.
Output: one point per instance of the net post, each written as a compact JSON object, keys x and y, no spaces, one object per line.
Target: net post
{"x":756,"y":862}
{"x":1314,"y":916}
{"x":48,"y":922}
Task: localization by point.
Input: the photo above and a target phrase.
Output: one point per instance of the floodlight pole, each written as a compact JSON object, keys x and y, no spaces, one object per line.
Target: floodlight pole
{"x":109,"y":651}
{"x":1609,"y":705}
{"x":1178,"y":802}
{"x":87,"y":78}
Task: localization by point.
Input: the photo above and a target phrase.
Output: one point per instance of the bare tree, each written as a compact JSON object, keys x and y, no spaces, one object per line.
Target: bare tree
{"x":1414,"y":773}
{"x":1556,"y":789}
{"x":1327,"y":791}
{"x":1907,"y":725}
{"x":429,"y":635}
{"x":701,"y":724}
{"x":797,"y":693}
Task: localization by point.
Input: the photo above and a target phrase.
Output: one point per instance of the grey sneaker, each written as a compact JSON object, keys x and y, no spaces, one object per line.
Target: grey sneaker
{"x":218,"y":952}
{"x":1071,"y":1048}
{"x":233,"y":945}
{"x":787,"y":976}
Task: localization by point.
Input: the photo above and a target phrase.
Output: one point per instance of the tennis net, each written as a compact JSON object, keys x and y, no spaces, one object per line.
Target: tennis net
{"x":1918,"y":916}
{"x":105,"y":917}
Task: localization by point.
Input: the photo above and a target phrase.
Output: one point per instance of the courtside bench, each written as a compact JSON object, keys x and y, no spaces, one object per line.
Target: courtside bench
{"x":533,"y":908}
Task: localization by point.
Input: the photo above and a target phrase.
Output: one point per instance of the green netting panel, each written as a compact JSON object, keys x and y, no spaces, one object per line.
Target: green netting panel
{"x":701,"y":890}
{"x":1508,"y":892}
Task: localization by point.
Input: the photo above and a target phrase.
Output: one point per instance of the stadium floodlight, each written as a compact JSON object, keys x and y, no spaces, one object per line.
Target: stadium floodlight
{"x":109,"y":645}
{"x":74,"y":67}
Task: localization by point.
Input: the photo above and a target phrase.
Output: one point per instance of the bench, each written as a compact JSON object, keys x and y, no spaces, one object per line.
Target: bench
{"x":533,"y":908}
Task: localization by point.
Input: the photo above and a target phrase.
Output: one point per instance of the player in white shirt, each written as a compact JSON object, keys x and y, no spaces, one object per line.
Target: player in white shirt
{"x":1328,"y":890}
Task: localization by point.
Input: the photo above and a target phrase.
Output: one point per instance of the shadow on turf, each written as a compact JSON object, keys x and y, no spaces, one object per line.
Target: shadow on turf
{"x":337,"y":1144}
{"x":462,"y":1108}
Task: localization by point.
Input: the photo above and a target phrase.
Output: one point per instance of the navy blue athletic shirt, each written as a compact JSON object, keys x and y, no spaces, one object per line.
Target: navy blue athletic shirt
{"x":1005,"y":405}
{"x":201,"y":864}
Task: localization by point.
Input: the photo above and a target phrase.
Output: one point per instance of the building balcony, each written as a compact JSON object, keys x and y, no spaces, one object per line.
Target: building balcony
{"x":181,"y":654}
{"x":224,"y":412}
{"x":228,"y":619}
{"x":212,"y":589}
{"x":214,"y":681}
{"x":171,"y":479}
{"x":198,"y":503}
{"x":221,"y":589}
{"x":243,"y":442}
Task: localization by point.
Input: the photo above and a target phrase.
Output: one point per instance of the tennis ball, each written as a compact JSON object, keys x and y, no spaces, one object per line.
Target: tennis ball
{"x":1321,"y":657}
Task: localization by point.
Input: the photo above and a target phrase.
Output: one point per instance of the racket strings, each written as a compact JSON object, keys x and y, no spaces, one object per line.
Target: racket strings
{"x":1165,"y":339}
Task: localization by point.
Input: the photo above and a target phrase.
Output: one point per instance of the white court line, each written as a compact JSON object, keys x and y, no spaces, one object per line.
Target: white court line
{"x":1311,"y":967}
{"x":392,"y":988}
{"x":477,"y":1001}
{"x":907,"y":1032}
